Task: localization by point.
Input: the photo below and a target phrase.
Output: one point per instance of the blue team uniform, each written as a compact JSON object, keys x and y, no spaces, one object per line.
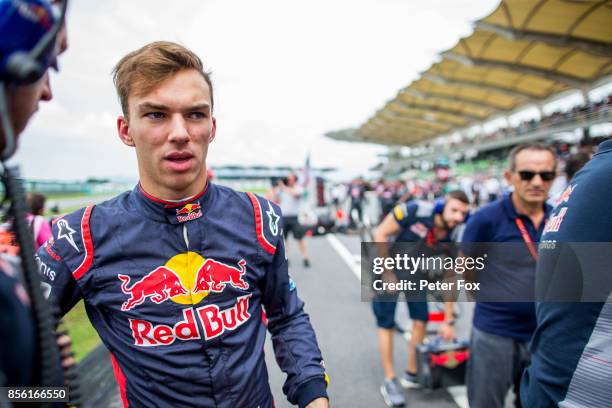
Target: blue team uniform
{"x":416,"y":219}
{"x":176,"y":290}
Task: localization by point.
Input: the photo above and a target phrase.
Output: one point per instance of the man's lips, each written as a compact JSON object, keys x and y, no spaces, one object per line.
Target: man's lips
{"x":179,"y":161}
{"x":178,"y":156}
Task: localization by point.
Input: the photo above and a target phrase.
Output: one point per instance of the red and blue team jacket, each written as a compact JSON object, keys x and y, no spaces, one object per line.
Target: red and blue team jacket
{"x":176,"y":290}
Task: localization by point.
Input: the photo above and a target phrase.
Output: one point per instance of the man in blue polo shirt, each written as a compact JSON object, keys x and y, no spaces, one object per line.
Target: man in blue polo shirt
{"x":571,"y":349}
{"x":425,"y":224}
{"x":501,"y":330}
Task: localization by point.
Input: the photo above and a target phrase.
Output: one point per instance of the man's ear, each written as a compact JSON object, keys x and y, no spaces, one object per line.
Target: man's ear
{"x":213,"y":131}
{"x":123,"y":129}
{"x":508,"y":176}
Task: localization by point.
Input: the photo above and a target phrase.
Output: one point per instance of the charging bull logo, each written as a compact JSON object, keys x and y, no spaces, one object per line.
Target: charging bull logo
{"x":159,"y":285}
{"x":185,"y":279}
{"x":213,"y":276}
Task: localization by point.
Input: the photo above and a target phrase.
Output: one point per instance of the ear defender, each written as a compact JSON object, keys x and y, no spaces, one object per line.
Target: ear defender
{"x":439,"y":206}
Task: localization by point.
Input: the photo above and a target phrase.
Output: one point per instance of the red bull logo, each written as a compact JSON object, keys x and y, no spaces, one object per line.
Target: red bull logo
{"x":214,"y":321}
{"x":554,"y":223}
{"x":189,"y":212}
{"x":185,"y":279}
{"x":213,"y":276}
{"x":565,"y":196}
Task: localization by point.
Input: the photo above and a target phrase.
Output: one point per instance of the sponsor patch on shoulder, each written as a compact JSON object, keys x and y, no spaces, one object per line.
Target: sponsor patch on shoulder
{"x":273,"y":219}
{"x":65,"y":231}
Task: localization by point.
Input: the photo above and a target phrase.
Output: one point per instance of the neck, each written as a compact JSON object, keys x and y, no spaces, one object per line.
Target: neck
{"x":523,"y":207}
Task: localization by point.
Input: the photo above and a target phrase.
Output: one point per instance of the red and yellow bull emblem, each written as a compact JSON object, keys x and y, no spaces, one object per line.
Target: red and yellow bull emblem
{"x":189,"y":212}
{"x":187,"y":279}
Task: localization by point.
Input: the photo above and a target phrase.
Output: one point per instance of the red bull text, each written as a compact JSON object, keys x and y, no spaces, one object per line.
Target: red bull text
{"x":214,"y":321}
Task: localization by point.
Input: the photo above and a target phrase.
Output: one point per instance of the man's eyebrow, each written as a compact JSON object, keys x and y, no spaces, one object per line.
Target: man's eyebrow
{"x":148,"y":105}
{"x":198,"y":106}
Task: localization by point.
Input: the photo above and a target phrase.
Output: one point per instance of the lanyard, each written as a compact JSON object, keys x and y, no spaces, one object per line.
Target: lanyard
{"x":526,"y":238}
{"x":430,"y":239}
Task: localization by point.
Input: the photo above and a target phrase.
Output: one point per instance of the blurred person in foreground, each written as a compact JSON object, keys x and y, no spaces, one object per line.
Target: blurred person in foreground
{"x":502,"y":329}
{"x":571,"y":362}
{"x":426,"y":225}
{"x":32,"y":35}
{"x":175,"y":273}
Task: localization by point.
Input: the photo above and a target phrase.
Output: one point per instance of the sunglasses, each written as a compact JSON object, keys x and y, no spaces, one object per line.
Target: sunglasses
{"x":527,"y":175}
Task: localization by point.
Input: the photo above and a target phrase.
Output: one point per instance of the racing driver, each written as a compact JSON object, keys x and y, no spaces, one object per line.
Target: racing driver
{"x":175,"y":273}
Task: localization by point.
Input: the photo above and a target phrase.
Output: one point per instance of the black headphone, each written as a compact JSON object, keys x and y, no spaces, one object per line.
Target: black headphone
{"x":25,"y":67}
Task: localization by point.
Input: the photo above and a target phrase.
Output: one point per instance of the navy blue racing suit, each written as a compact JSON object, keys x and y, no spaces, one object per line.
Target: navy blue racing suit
{"x":175,"y":291}
{"x":571,"y":363}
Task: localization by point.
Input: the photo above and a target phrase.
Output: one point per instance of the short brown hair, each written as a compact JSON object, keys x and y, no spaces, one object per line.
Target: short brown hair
{"x":141,"y":71}
{"x":458,"y":195}
{"x":530,"y":146}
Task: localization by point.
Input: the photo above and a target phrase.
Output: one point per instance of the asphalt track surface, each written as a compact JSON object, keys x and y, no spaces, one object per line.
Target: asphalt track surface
{"x":346,"y":330}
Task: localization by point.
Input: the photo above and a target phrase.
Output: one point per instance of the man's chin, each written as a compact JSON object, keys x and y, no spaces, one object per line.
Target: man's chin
{"x":535,"y":198}
{"x":181,"y":181}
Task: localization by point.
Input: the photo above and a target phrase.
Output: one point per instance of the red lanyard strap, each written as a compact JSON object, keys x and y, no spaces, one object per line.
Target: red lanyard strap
{"x":526,"y":238}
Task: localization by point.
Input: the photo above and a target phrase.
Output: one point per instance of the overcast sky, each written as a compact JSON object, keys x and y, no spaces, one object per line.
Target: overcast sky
{"x":284,"y":73}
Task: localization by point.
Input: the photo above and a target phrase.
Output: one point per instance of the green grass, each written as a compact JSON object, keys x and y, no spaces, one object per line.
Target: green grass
{"x":84,"y":336}
{"x":259,"y":190}
{"x":78,"y":194}
{"x":63,"y":210}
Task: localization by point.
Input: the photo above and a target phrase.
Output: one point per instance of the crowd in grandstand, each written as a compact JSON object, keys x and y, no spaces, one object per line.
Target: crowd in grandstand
{"x":576,"y":114}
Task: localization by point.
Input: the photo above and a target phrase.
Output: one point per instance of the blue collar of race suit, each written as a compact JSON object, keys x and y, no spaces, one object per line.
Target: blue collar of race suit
{"x":173,"y":212}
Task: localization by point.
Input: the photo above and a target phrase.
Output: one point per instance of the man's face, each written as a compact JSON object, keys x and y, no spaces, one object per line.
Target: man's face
{"x":528,"y":162}
{"x":454,"y":212}
{"x":171,"y":128}
{"x":23,"y":101}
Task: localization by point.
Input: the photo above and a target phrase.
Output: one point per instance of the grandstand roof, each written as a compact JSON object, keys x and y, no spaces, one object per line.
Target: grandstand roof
{"x":524,"y":51}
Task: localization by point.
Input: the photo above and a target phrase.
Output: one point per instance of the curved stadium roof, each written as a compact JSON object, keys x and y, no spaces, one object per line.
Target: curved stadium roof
{"x":524,"y":51}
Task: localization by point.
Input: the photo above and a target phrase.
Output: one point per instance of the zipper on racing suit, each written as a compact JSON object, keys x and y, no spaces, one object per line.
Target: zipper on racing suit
{"x":185,"y":236}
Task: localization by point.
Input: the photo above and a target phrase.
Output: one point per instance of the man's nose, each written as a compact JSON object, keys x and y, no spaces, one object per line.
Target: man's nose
{"x":46,"y":94}
{"x":178,"y":131}
{"x":537,"y":180}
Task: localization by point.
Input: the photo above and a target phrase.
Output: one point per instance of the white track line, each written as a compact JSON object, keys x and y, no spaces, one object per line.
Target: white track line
{"x":353,"y":261}
{"x":459,"y":394}
{"x":346,"y":255}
